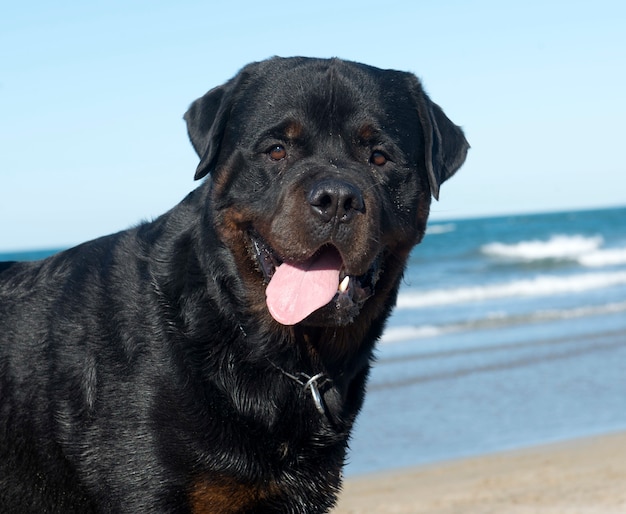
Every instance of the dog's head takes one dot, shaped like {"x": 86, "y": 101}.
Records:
{"x": 322, "y": 174}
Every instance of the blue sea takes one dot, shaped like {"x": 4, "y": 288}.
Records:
{"x": 509, "y": 332}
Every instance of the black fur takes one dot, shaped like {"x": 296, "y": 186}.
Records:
{"x": 142, "y": 372}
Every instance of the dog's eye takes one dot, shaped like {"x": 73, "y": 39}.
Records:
{"x": 277, "y": 152}
{"x": 378, "y": 158}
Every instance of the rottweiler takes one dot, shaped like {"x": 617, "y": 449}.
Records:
{"x": 214, "y": 360}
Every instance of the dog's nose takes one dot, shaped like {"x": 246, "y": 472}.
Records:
{"x": 335, "y": 199}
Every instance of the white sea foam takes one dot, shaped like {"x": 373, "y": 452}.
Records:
{"x": 579, "y": 312}
{"x": 405, "y": 333}
{"x": 441, "y": 228}
{"x": 601, "y": 258}
{"x": 543, "y": 285}
{"x": 499, "y": 320}
{"x": 558, "y": 247}
{"x": 586, "y": 251}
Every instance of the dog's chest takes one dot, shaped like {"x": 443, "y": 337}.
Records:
{"x": 219, "y": 495}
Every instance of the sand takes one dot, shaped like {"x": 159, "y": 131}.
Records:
{"x": 585, "y": 476}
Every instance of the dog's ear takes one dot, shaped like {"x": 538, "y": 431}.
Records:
{"x": 206, "y": 120}
{"x": 205, "y": 128}
{"x": 445, "y": 144}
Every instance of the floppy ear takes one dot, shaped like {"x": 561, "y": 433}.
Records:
{"x": 206, "y": 120}
{"x": 445, "y": 145}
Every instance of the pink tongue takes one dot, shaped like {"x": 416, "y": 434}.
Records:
{"x": 297, "y": 290}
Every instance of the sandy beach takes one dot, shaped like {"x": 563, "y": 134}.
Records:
{"x": 586, "y": 476}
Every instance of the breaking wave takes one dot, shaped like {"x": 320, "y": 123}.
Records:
{"x": 440, "y": 228}
{"x": 556, "y": 248}
{"x": 583, "y": 250}
{"x": 602, "y": 258}
{"x": 407, "y": 332}
{"x": 543, "y": 285}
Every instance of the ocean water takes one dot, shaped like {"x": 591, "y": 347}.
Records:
{"x": 509, "y": 332}
{"x": 513, "y": 271}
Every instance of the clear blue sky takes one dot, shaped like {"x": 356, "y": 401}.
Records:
{"x": 92, "y": 95}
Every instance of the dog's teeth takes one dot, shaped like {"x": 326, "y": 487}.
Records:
{"x": 343, "y": 286}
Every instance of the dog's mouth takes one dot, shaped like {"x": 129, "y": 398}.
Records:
{"x": 296, "y": 290}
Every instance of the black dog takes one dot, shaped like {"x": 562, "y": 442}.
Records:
{"x": 214, "y": 360}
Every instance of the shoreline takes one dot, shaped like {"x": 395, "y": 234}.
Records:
{"x": 582, "y": 476}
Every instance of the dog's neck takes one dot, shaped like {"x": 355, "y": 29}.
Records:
{"x": 312, "y": 384}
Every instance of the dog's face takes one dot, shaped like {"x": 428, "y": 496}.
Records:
{"x": 321, "y": 177}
